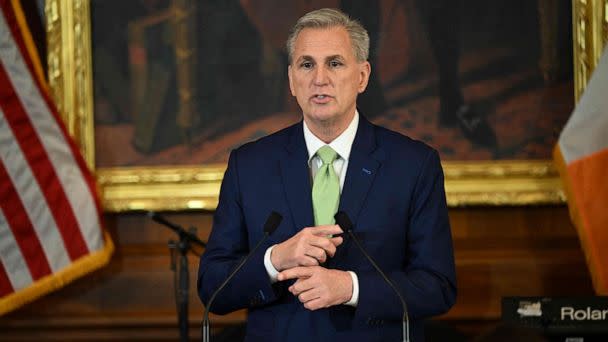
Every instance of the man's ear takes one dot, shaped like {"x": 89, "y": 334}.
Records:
{"x": 289, "y": 71}
{"x": 364, "y": 72}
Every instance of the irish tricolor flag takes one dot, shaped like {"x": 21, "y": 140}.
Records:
{"x": 582, "y": 158}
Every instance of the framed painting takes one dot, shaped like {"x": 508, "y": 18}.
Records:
{"x": 158, "y": 92}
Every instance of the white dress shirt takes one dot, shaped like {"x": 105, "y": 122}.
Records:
{"x": 342, "y": 145}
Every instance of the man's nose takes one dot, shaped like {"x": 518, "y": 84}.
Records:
{"x": 320, "y": 76}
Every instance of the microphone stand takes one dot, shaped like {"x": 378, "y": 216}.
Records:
{"x": 346, "y": 224}
{"x": 272, "y": 222}
{"x": 181, "y": 278}
{"x": 405, "y": 320}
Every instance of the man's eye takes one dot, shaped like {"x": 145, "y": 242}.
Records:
{"x": 335, "y": 64}
{"x": 306, "y": 65}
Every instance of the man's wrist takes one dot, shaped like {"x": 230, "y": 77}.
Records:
{"x": 354, "y": 299}
{"x": 270, "y": 269}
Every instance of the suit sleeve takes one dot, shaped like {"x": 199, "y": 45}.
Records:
{"x": 228, "y": 245}
{"x": 428, "y": 279}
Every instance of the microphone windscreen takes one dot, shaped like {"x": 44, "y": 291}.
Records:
{"x": 272, "y": 222}
{"x": 343, "y": 221}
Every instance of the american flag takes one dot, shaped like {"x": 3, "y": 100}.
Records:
{"x": 50, "y": 218}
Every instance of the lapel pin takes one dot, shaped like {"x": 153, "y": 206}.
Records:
{"x": 366, "y": 171}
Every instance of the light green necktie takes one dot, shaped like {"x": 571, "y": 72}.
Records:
{"x": 326, "y": 188}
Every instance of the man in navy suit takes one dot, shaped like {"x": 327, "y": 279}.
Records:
{"x": 310, "y": 283}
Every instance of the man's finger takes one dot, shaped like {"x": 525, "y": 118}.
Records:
{"x": 296, "y": 272}
{"x": 315, "y": 304}
{"x": 337, "y": 240}
{"x": 327, "y": 230}
{"x": 307, "y": 296}
{"x": 323, "y": 243}
{"x": 307, "y": 260}
{"x": 318, "y": 254}
{"x": 301, "y": 285}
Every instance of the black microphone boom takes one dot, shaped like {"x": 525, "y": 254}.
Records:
{"x": 272, "y": 222}
{"x": 156, "y": 217}
{"x": 346, "y": 224}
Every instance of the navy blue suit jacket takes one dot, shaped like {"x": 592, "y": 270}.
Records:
{"x": 393, "y": 193}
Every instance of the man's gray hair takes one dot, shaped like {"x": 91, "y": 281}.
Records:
{"x": 328, "y": 18}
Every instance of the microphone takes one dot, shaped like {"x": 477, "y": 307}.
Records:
{"x": 156, "y": 217}
{"x": 272, "y": 222}
{"x": 345, "y": 223}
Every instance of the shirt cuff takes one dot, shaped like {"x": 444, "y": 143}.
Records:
{"x": 272, "y": 272}
{"x": 354, "y": 300}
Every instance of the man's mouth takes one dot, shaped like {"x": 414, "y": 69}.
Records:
{"x": 321, "y": 98}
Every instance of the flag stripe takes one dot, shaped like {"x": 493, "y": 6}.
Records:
{"x": 586, "y": 129}
{"x": 5, "y": 285}
{"x": 16, "y": 12}
{"x": 590, "y": 188}
{"x": 43, "y": 170}
{"x": 22, "y": 229}
{"x": 28, "y": 191}
{"x": 72, "y": 174}
{"x": 16, "y": 269}
{"x": 12, "y": 28}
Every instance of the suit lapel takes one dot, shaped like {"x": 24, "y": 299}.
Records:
{"x": 296, "y": 179}
{"x": 364, "y": 161}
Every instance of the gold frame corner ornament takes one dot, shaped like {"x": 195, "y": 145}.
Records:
{"x": 197, "y": 187}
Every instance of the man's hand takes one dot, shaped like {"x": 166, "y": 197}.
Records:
{"x": 309, "y": 247}
{"x": 318, "y": 287}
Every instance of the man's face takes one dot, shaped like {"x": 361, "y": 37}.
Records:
{"x": 325, "y": 76}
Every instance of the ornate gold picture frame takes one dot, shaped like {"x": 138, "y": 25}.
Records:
{"x": 518, "y": 182}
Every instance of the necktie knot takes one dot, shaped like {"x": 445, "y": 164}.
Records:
{"x": 327, "y": 154}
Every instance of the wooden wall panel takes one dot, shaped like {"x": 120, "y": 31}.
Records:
{"x": 517, "y": 251}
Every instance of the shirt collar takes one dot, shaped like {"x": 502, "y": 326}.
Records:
{"x": 342, "y": 144}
